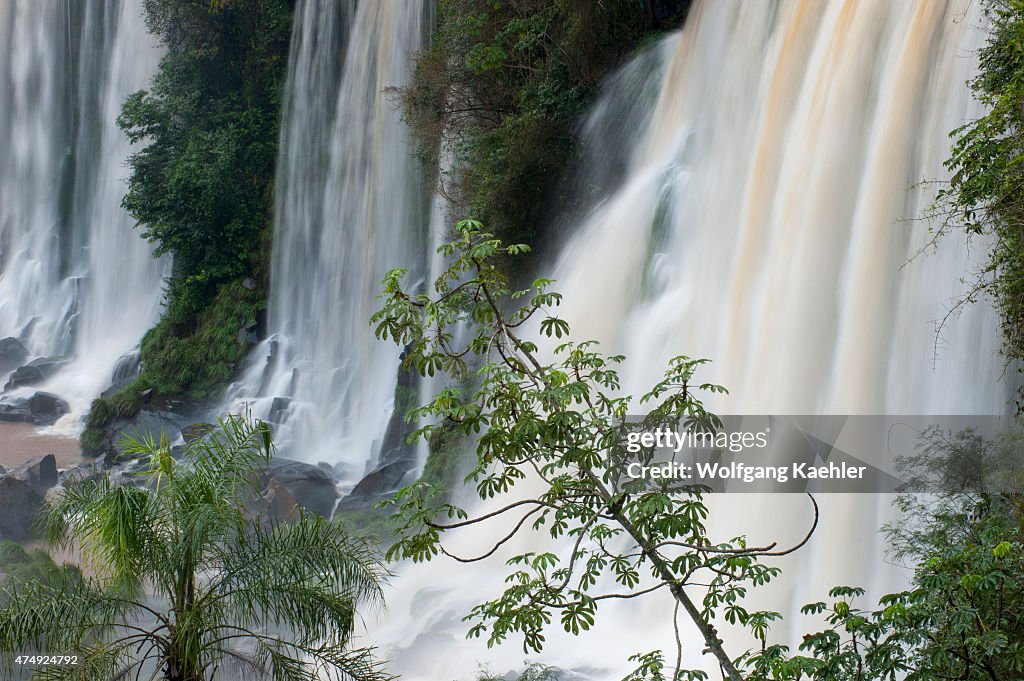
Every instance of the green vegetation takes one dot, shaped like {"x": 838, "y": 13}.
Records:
{"x": 193, "y": 366}
{"x": 21, "y": 565}
{"x": 984, "y": 196}
{"x": 201, "y": 187}
{"x": 963, "y": 616}
{"x": 196, "y": 362}
{"x": 563, "y": 424}
{"x": 372, "y": 525}
{"x": 448, "y": 451}
{"x": 503, "y": 85}
{"x": 188, "y": 581}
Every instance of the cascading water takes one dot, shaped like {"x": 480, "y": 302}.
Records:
{"x": 350, "y": 206}
{"x": 765, "y": 220}
{"x": 76, "y": 283}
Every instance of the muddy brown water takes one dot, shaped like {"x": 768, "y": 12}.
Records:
{"x": 20, "y": 442}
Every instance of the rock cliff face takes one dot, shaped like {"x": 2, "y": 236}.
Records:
{"x": 36, "y": 371}
{"x": 12, "y": 354}
{"x": 22, "y": 491}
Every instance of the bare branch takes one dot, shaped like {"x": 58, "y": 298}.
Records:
{"x": 474, "y": 521}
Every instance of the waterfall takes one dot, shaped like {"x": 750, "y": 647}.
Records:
{"x": 76, "y": 283}
{"x": 350, "y": 204}
{"x": 760, "y": 183}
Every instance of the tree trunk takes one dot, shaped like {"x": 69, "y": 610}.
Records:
{"x": 707, "y": 630}
{"x": 175, "y": 672}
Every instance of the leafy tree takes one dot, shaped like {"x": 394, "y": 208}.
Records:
{"x": 186, "y": 581}
{"x": 560, "y": 423}
{"x": 503, "y": 85}
{"x": 963, "y": 616}
{"x": 984, "y": 195}
{"x": 200, "y": 187}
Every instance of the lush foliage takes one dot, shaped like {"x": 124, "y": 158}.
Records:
{"x": 448, "y": 451}
{"x": 549, "y": 425}
{"x": 201, "y": 186}
{"x": 560, "y": 423}
{"x": 196, "y": 360}
{"x": 984, "y": 196}
{"x": 185, "y": 364}
{"x": 502, "y": 87}
{"x": 963, "y": 616}
{"x": 187, "y": 581}
{"x": 21, "y": 564}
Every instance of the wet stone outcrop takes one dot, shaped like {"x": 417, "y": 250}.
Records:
{"x": 22, "y": 491}
{"x": 294, "y": 482}
{"x": 40, "y": 408}
{"x": 13, "y": 354}
{"x": 36, "y": 371}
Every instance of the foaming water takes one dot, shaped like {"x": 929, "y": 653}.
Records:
{"x": 765, "y": 220}
{"x": 350, "y": 205}
{"x": 76, "y": 282}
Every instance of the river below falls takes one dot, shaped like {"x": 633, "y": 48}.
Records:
{"x": 20, "y": 442}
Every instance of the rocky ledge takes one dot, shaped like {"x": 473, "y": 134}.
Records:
{"x": 40, "y": 408}
{"x": 22, "y": 491}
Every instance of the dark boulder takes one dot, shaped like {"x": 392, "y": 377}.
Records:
{"x": 247, "y": 337}
{"x": 157, "y": 415}
{"x": 195, "y": 431}
{"x": 20, "y": 503}
{"x": 22, "y": 491}
{"x": 48, "y": 365}
{"x": 146, "y": 422}
{"x": 396, "y": 460}
{"x": 15, "y": 411}
{"x": 127, "y": 369}
{"x": 342, "y": 471}
{"x": 36, "y": 371}
{"x": 76, "y": 472}
{"x": 41, "y": 408}
{"x": 278, "y": 410}
{"x": 311, "y": 487}
{"x": 47, "y": 407}
{"x": 12, "y": 354}
{"x": 248, "y": 333}
{"x": 26, "y": 375}
{"x": 379, "y": 484}
{"x": 40, "y": 473}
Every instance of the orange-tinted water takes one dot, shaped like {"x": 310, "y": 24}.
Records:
{"x": 20, "y": 442}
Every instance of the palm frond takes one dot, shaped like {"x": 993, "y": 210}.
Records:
{"x": 61, "y": 614}
{"x": 307, "y": 550}
{"x": 223, "y": 578}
